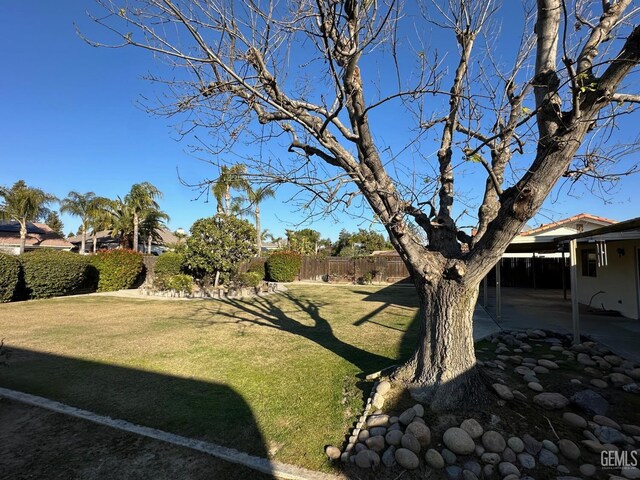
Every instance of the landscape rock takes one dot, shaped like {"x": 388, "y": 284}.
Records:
{"x": 389, "y": 457}
{"x": 421, "y": 433}
{"x": 378, "y": 431}
{"x": 419, "y": 410}
{"x": 550, "y": 364}
{"x": 507, "y": 468}
{"x": 503, "y": 391}
{"x": 367, "y": 459}
{"x": 453, "y": 472}
{"x": 593, "y": 446}
{"x": 540, "y": 369}
{"x": 449, "y": 457}
{"x": 488, "y": 471}
{"x": 410, "y": 442}
{"x": 469, "y": 475}
{"x": 383, "y": 387}
{"x": 574, "y": 420}
{"x": 635, "y": 373}
{"x": 407, "y": 459}
{"x": 516, "y": 444}
{"x": 458, "y": 441}
{"x": 545, "y": 457}
{"x": 394, "y": 437}
{"x": 606, "y": 422}
{"x": 472, "y": 427}
{"x": 587, "y": 469}
{"x": 490, "y": 458}
{"x": 378, "y": 421}
{"x": 473, "y": 467}
{"x": 551, "y": 401}
{"x": 531, "y": 445}
{"x": 585, "y": 359}
{"x": 493, "y": 441}
{"x": 377, "y": 401}
{"x": 619, "y": 379}
{"x": 631, "y": 429}
{"x": 609, "y": 435}
{"x": 569, "y": 449}
{"x": 535, "y": 386}
{"x": 549, "y": 445}
{"x": 508, "y": 455}
{"x": 375, "y": 443}
{"x": 596, "y": 382}
{"x": 363, "y": 435}
{"x": 590, "y": 402}
{"x": 332, "y": 452}
{"x": 407, "y": 416}
{"x": 594, "y": 372}
{"x": 434, "y": 459}
{"x": 631, "y": 473}
{"x": 527, "y": 461}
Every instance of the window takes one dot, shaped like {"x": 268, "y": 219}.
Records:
{"x": 589, "y": 262}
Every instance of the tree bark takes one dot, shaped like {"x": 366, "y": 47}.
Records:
{"x": 95, "y": 241}
{"x": 136, "y": 222}
{"x": 23, "y": 236}
{"x": 84, "y": 240}
{"x": 258, "y": 232}
{"x": 442, "y": 372}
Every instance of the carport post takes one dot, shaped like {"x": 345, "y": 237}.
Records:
{"x": 564, "y": 279}
{"x": 575, "y": 316}
{"x": 498, "y": 292}
{"x": 485, "y": 291}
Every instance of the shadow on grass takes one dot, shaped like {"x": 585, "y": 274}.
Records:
{"x": 197, "y": 409}
{"x": 268, "y": 312}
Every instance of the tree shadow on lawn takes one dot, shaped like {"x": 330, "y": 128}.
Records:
{"x": 266, "y": 312}
{"x": 197, "y": 409}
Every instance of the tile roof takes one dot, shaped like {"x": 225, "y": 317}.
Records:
{"x": 38, "y": 235}
{"x": 580, "y": 216}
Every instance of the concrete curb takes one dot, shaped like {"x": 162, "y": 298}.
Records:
{"x": 277, "y": 469}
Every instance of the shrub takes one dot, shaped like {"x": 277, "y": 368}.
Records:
{"x": 117, "y": 269}
{"x": 179, "y": 283}
{"x": 259, "y": 266}
{"x": 283, "y": 266}
{"x": 9, "y": 276}
{"x": 169, "y": 263}
{"x": 249, "y": 279}
{"x": 51, "y": 273}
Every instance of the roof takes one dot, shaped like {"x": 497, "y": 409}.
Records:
{"x": 559, "y": 223}
{"x": 104, "y": 236}
{"x": 629, "y": 229}
{"x": 38, "y": 235}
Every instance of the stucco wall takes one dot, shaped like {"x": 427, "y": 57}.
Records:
{"x": 617, "y": 280}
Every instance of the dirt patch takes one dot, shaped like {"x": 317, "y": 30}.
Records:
{"x": 39, "y": 444}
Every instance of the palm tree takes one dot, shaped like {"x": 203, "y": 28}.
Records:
{"x": 24, "y": 204}
{"x": 100, "y": 218}
{"x": 230, "y": 177}
{"x": 141, "y": 198}
{"x": 79, "y": 205}
{"x": 256, "y": 197}
{"x": 153, "y": 221}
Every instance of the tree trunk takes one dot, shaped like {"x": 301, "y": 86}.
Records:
{"x": 136, "y": 222}
{"x": 216, "y": 279}
{"x": 95, "y": 241}
{"x": 442, "y": 372}
{"x": 149, "y": 247}
{"x": 23, "y": 236}
{"x": 83, "y": 245}
{"x": 258, "y": 232}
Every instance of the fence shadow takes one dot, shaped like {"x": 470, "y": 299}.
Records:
{"x": 193, "y": 408}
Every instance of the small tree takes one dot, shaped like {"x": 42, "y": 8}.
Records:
{"x": 304, "y": 242}
{"x": 79, "y": 205}
{"x": 54, "y": 223}
{"x": 218, "y": 245}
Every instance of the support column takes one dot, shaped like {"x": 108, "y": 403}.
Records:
{"x": 575, "y": 314}
{"x": 485, "y": 292}
{"x": 564, "y": 277}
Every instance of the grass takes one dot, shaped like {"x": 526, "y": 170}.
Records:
{"x": 275, "y": 376}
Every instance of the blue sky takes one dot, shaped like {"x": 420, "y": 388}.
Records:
{"x": 70, "y": 121}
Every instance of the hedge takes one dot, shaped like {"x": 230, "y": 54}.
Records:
{"x": 168, "y": 263}
{"x": 117, "y": 269}
{"x": 52, "y": 273}
{"x": 9, "y": 276}
{"x": 283, "y": 266}
{"x": 248, "y": 279}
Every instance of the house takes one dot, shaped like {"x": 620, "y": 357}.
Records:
{"x": 607, "y": 268}
{"x": 39, "y": 235}
{"x": 105, "y": 241}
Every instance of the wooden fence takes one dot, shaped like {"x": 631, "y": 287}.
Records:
{"x": 350, "y": 270}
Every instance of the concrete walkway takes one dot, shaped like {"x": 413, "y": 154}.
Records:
{"x": 524, "y": 308}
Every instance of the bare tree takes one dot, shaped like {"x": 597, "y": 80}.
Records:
{"x": 304, "y": 76}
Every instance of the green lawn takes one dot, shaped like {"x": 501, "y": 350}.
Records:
{"x": 277, "y": 375}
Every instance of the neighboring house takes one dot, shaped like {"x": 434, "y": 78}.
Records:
{"x": 608, "y": 267}
{"x": 270, "y": 247}
{"x": 39, "y": 235}
{"x": 105, "y": 241}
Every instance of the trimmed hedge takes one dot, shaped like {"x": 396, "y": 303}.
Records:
{"x": 283, "y": 266}
{"x": 51, "y": 273}
{"x": 249, "y": 279}
{"x": 117, "y": 269}
{"x": 168, "y": 263}
{"x": 258, "y": 265}
{"x": 9, "y": 276}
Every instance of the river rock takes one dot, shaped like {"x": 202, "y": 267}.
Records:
{"x": 606, "y": 422}
{"x": 569, "y": 449}
{"x": 493, "y": 441}
{"x": 472, "y": 427}
{"x": 383, "y": 387}
{"x": 590, "y": 402}
{"x": 378, "y": 421}
{"x": 507, "y": 468}
{"x": 458, "y": 441}
{"x": 574, "y": 420}
{"x": 593, "y": 446}
{"x": 631, "y": 430}
{"x": 508, "y": 455}
{"x": 609, "y": 435}
{"x": 332, "y": 452}
{"x": 449, "y": 457}
{"x": 549, "y": 445}
{"x": 389, "y": 457}
{"x": 596, "y": 382}
{"x": 550, "y": 364}
{"x": 516, "y": 444}
{"x": 620, "y": 379}
{"x": 434, "y": 459}
{"x": 410, "y": 442}
{"x": 527, "y": 461}
{"x": 503, "y": 391}
{"x": 407, "y": 416}
{"x": 632, "y": 473}
{"x": 375, "y": 443}
{"x": 540, "y": 369}
{"x": 634, "y": 373}
{"x": 536, "y": 387}
{"x": 547, "y": 458}
{"x": 453, "y": 472}
{"x": 551, "y": 401}
{"x": 378, "y": 431}
{"x": 491, "y": 458}
{"x": 421, "y": 432}
{"x": 363, "y": 435}
{"x": 367, "y": 459}
{"x": 394, "y": 437}
{"x": 419, "y": 410}
{"x": 586, "y": 360}
{"x": 531, "y": 445}
{"x": 407, "y": 459}
{"x": 488, "y": 471}
{"x": 587, "y": 469}
{"x": 474, "y": 467}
